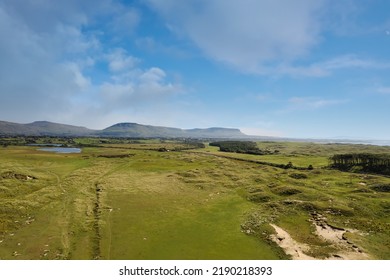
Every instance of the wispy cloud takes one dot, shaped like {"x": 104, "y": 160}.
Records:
{"x": 353, "y": 61}
{"x": 309, "y": 104}
{"x": 119, "y": 60}
{"x": 245, "y": 34}
{"x": 49, "y": 50}
{"x": 152, "y": 45}
{"x": 383, "y": 90}
{"x": 132, "y": 86}
{"x": 328, "y": 67}
{"x": 125, "y": 21}
{"x": 259, "y": 37}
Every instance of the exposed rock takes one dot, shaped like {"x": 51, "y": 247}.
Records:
{"x": 18, "y": 176}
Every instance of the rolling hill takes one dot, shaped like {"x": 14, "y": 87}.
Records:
{"x": 43, "y": 128}
{"x": 131, "y": 130}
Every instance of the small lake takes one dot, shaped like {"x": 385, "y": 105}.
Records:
{"x": 61, "y": 150}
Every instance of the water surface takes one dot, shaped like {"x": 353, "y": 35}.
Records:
{"x": 61, "y": 150}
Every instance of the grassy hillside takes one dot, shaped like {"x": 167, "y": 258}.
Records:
{"x": 43, "y": 128}
{"x": 121, "y": 130}
{"x": 137, "y": 130}
{"x": 147, "y": 131}
{"x": 132, "y": 201}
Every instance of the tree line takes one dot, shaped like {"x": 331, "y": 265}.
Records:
{"x": 365, "y": 162}
{"x": 243, "y": 147}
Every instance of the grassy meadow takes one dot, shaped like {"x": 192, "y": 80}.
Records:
{"x": 135, "y": 200}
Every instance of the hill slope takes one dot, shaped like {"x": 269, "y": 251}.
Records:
{"x": 138, "y": 130}
{"x": 44, "y": 128}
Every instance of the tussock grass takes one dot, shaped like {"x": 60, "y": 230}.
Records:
{"x": 182, "y": 204}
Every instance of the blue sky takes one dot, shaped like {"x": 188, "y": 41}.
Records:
{"x": 302, "y": 68}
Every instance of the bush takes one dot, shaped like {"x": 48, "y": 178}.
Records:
{"x": 381, "y": 187}
{"x": 259, "y": 197}
{"x": 298, "y": 176}
{"x": 286, "y": 191}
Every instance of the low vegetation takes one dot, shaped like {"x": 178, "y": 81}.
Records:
{"x": 166, "y": 199}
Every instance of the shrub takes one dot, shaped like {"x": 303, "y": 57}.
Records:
{"x": 381, "y": 187}
{"x": 298, "y": 176}
{"x": 259, "y": 197}
{"x": 286, "y": 191}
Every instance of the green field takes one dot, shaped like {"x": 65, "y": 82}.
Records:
{"x": 131, "y": 201}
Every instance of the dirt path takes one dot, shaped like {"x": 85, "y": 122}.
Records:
{"x": 100, "y": 206}
{"x": 109, "y": 234}
{"x": 289, "y": 245}
{"x": 64, "y": 223}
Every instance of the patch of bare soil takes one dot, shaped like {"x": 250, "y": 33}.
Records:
{"x": 289, "y": 245}
{"x": 336, "y": 236}
{"x": 347, "y": 250}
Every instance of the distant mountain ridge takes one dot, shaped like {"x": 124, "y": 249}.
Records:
{"x": 131, "y": 130}
{"x": 43, "y": 128}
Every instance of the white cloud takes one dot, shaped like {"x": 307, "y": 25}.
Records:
{"x": 79, "y": 79}
{"x": 119, "y": 60}
{"x": 136, "y": 88}
{"x": 126, "y": 21}
{"x": 246, "y": 34}
{"x": 33, "y": 80}
{"x": 152, "y": 76}
{"x": 264, "y": 37}
{"x": 70, "y": 39}
{"x": 116, "y": 93}
{"x": 352, "y": 61}
{"x": 50, "y": 53}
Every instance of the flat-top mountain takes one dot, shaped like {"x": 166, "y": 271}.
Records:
{"x": 44, "y": 128}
